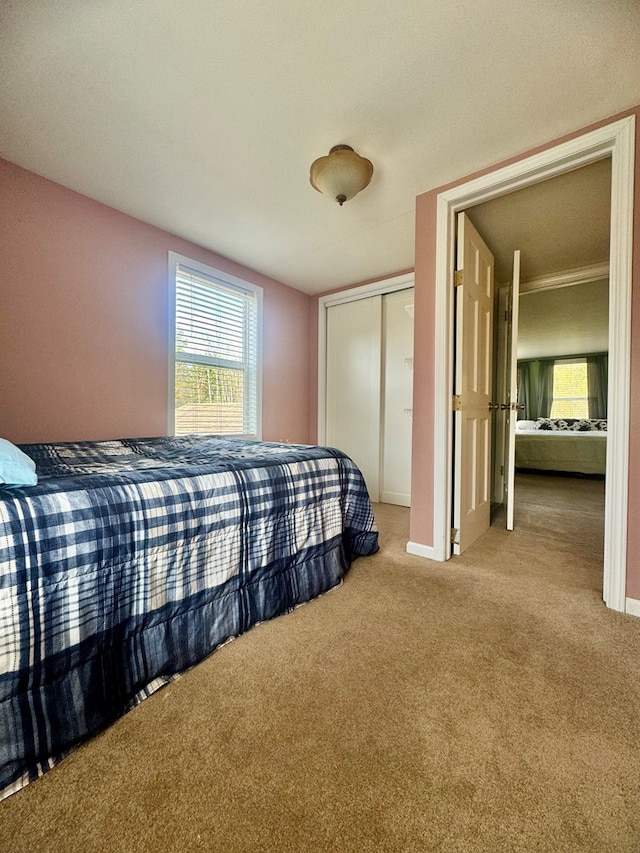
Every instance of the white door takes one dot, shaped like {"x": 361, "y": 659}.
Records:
{"x": 353, "y": 385}
{"x": 472, "y": 387}
{"x": 397, "y": 397}
{"x": 510, "y": 457}
{"x": 500, "y": 393}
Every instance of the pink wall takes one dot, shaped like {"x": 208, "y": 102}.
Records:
{"x": 83, "y": 321}
{"x": 422, "y": 509}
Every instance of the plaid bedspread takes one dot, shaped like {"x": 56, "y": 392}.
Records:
{"x": 132, "y": 560}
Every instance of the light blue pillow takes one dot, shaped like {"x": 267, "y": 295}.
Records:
{"x": 16, "y": 468}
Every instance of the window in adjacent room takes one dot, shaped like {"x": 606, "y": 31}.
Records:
{"x": 215, "y": 364}
{"x": 570, "y": 389}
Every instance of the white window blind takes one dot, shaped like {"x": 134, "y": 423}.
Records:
{"x": 216, "y": 354}
{"x": 570, "y": 389}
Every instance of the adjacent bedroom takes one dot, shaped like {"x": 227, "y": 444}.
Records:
{"x": 555, "y": 340}
{"x": 561, "y": 430}
{"x": 563, "y": 379}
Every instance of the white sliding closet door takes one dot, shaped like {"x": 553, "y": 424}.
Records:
{"x": 397, "y": 397}
{"x": 353, "y": 384}
{"x": 369, "y": 389}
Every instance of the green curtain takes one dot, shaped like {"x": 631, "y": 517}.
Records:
{"x": 597, "y": 377}
{"x": 524, "y": 392}
{"x": 545, "y": 388}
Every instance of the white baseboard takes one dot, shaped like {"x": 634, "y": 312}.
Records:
{"x": 397, "y": 498}
{"x": 632, "y": 606}
{"x": 427, "y": 551}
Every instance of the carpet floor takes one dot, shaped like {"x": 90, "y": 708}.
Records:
{"x": 487, "y": 704}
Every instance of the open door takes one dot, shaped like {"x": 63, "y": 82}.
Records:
{"x": 510, "y": 454}
{"x": 472, "y": 387}
{"x": 500, "y": 392}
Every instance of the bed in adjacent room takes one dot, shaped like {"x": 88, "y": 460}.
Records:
{"x": 569, "y": 445}
{"x": 130, "y": 561}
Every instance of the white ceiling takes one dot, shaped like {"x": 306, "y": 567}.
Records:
{"x": 203, "y": 117}
{"x": 560, "y": 224}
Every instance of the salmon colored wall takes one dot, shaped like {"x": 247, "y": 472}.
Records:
{"x": 83, "y": 321}
{"x": 422, "y": 509}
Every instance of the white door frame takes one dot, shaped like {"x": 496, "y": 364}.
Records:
{"x": 387, "y": 285}
{"x": 617, "y": 141}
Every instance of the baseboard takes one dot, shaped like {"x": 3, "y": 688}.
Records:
{"x": 397, "y": 498}
{"x": 427, "y": 551}
{"x": 632, "y": 606}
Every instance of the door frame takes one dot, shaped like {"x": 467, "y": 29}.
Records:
{"x": 615, "y": 140}
{"x": 363, "y": 291}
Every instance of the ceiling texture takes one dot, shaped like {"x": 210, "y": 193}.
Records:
{"x": 203, "y": 117}
{"x": 559, "y": 225}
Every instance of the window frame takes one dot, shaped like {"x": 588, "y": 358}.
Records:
{"x": 228, "y": 281}
{"x": 566, "y": 362}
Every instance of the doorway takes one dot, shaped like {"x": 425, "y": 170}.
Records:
{"x": 558, "y": 319}
{"x": 617, "y": 141}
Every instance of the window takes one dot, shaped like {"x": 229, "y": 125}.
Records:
{"x": 570, "y": 389}
{"x": 214, "y": 352}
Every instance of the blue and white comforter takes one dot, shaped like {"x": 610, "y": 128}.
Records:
{"x": 132, "y": 560}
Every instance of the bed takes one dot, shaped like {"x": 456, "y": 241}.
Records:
{"x": 132, "y": 560}
{"x": 568, "y": 445}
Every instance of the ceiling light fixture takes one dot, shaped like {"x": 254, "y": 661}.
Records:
{"x": 342, "y": 174}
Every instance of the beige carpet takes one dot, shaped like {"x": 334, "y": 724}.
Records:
{"x": 488, "y": 704}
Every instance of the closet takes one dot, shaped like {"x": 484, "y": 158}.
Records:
{"x": 368, "y": 388}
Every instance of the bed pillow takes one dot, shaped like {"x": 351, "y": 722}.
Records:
{"x": 572, "y": 424}
{"x": 588, "y": 425}
{"x": 554, "y": 423}
{"x": 16, "y": 468}
{"x": 526, "y": 425}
